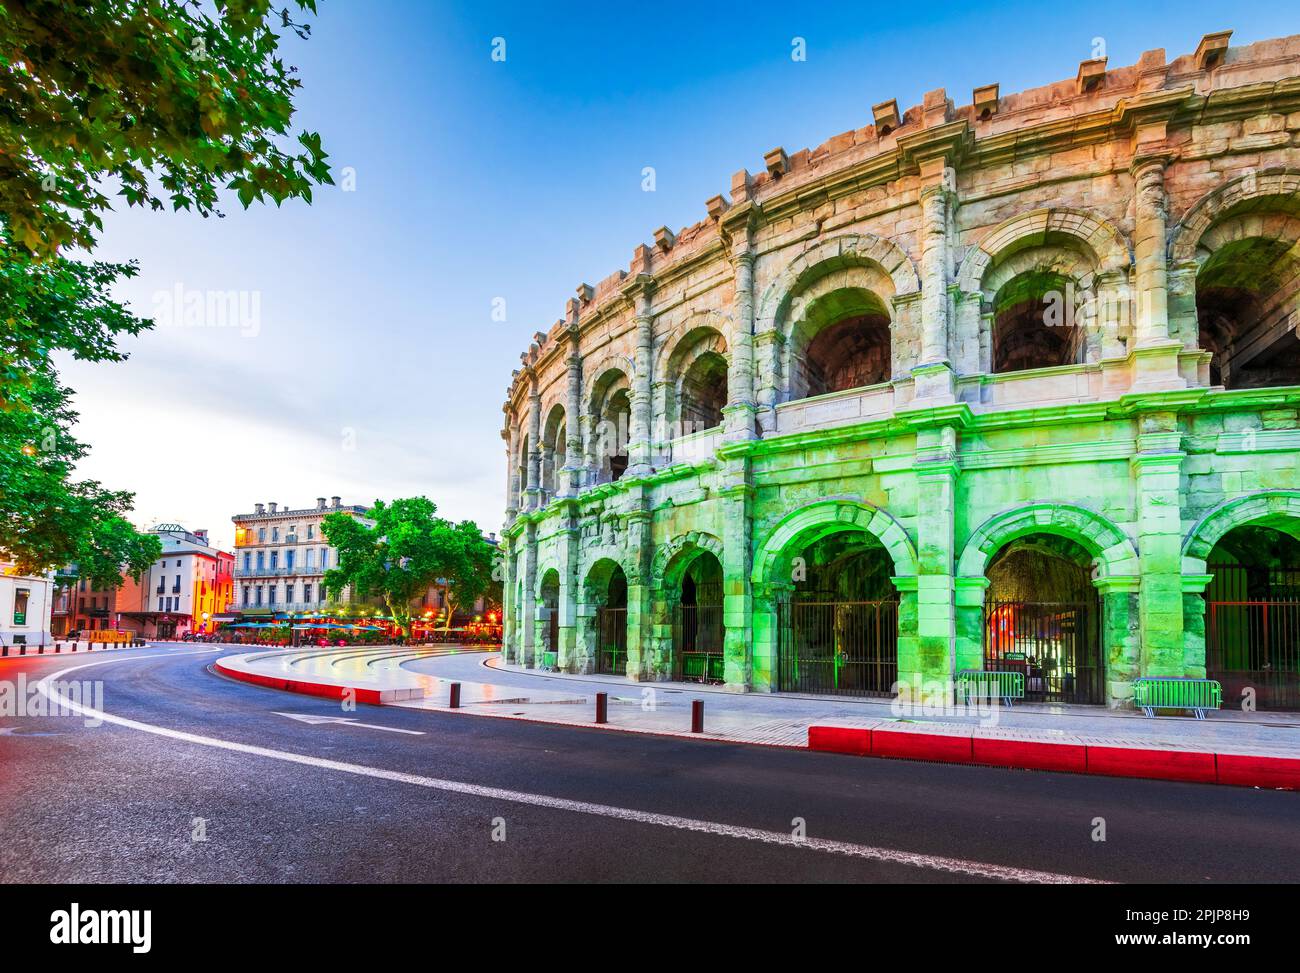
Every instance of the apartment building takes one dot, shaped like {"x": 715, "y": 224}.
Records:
{"x": 25, "y": 605}
{"x": 182, "y": 591}
{"x": 281, "y": 557}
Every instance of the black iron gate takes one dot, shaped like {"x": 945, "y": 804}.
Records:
{"x": 1056, "y": 645}
{"x": 1253, "y": 643}
{"x": 697, "y": 643}
{"x": 611, "y": 641}
{"x": 847, "y": 648}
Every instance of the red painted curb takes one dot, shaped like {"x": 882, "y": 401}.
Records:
{"x": 304, "y": 688}
{"x": 921, "y": 746}
{"x": 1185, "y": 765}
{"x": 1031, "y": 755}
{"x": 1192, "y": 766}
{"x": 1246, "y": 771}
{"x": 840, "y": 739}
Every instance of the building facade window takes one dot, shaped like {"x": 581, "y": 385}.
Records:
{"x": 306, "y": 594}
{"x": 21, "y": 597}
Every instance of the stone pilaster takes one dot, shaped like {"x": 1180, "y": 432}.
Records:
{"x": 1156, "y": 472}
{"x": 933, "y": 373}
{"x": 968, "y": 597}
{"x": 936, "y": 631}
{"x": 1121, "y": 639}
{"x": 571, "y": 475}
{"x": 512, "y": 473}
{"x": 509, "y": 623}
{"x": 1194, "y": 586}
{"x": 770, "y": 599}
{"x": 741, "y": 407}
{"x": 737, "y": 494}
{"x": 533, "y": 490}
{"x": 1155, "y": 354}
{"x": 568, "y": 544}
{"x": 528, "y": 617}
{"x": 639, "y": 446}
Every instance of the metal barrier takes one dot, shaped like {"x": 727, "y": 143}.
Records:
{"x": 988, "y": 684}
{"x": 1151, "y": 693}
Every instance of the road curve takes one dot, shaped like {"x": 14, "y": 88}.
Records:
{"x": 201, "y": 779}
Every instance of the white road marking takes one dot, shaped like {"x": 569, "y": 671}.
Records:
{"x": 939, "y": 863}
{"x": 312, "y": 720}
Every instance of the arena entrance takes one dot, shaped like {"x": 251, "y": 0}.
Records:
{"x": 1042, "y": 618}
{"x": 697, "y": 622}
{"x": 1252, "y": 624}
{"x": 611, "y": 627}
{"x": 838, "y": 633}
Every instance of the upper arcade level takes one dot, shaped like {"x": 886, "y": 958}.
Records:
{"x": 1131, "y": 230}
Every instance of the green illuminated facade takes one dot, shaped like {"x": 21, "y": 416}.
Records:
{"x": 1010, "y": 384}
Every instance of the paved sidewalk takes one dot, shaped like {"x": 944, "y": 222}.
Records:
{"x": 491, "y": 688}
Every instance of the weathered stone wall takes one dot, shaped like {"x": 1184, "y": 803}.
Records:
{"x": 1121, "y": 183}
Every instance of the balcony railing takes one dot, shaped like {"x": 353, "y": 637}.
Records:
{"x": 309, "y": 570}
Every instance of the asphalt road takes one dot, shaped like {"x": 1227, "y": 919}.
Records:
{"x": 464, "y": 798}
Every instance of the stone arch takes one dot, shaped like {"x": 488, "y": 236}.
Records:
{"x": 1277, "y": 182}
{"x": 1115, "y": 552}
{"x": 553, "y": 447}
{"x": 599, "y": 372}
{"x": 1103, "y": 241}
{"x": 667, "y": 564}
{"x": 852, "y": 249}
{"x": 1276, "y": 508}
{"x": 669, "y": 345}
{"x": 821, "y": 517}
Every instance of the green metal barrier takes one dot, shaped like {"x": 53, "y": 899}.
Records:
{"x": 548, "y": 660}
{"x": 987, "y": 684}
{"x": 702, "y": 666}
{"x": 1151, "y": 693}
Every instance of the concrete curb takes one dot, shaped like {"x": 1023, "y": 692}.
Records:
{"x": 1192, "y": 766}
{"x": 360, "y": 694}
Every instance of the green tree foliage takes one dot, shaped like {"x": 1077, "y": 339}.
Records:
{"x": 47, "y": 519}
{"x": 161, "y": 101}
{"x": 159, "y": 98}
{"x": 408, "y": 549}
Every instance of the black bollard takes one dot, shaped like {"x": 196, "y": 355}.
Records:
{"x": 697, "y": 716}
{"x": 602, "y": 707}
{"x": 454, "y": 700}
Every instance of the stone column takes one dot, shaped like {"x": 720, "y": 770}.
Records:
{"x": 741, "y": 407}
{"x": 911, "y": 671}
{"x": 567, "y": 547}
{"x": 533, "y": 492}
{"x": 1156, "y": 472}
{"x": 571, "y": 476}
{"x": 638, "y": 449}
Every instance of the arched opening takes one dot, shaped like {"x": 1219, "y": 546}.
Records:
{"x": 703, "y": 393}
{"x": 1043, "y": 619}
{"x": 1247, "y": 291}
{"x": 611, "y": 418}
{"x": 842, "y": 342}
{"x": 607, "y": 588}
{"x": 553, "y": 451}
{"x": 839, "y": 629}
{"x": 1034, "y": 324}
{"x": 1252, "y": 624}
{"x": 549, "y": 648}
{"x": 697, "y": 621}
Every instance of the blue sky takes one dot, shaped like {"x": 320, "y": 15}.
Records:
{"x": 374, "y": 367}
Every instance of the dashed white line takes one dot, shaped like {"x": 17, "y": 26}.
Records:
{"x": 938, "y": 863}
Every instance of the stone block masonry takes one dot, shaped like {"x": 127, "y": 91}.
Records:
{"x": 1076, "y": 311}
